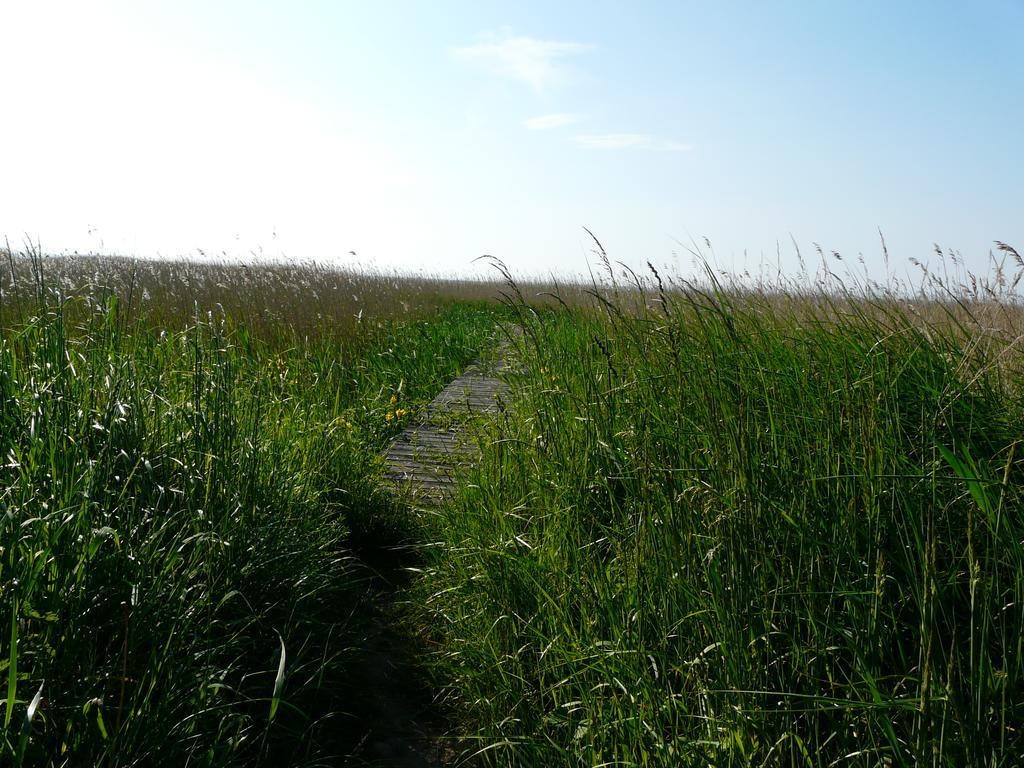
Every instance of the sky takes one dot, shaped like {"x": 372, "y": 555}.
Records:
{"x": 420, "y": 136}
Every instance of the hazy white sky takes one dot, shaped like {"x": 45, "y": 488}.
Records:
{"x": 423, "y": 135}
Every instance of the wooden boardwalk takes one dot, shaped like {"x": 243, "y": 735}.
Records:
{"x": 426, "y": 459}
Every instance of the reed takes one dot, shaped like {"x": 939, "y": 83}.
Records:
{"x": 724, "y": 521}
{"x": 185, "y": 483}
{"x": 731, "y": 522}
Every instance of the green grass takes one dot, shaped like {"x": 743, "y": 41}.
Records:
{"x": 719, "y": 523}
{"x": 183, "y": 506}
{"x": 735, "y": 527}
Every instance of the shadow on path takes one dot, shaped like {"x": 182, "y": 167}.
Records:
{"x": 401, "y": 725}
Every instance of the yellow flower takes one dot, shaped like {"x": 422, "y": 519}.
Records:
{"x": 400, "y": 412}
{"x": 394, "y": 399}
{"x": 389, "y": 416}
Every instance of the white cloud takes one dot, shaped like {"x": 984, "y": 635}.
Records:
{"x": 614, "y": 140}
{"x": 533, "y": 61}
{"x": 557, "y": 120}
{"x": 630, "y": 141}
{"x": 673, "y": 146}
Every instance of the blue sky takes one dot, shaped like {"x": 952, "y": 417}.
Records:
{"x": 422, "y": 135}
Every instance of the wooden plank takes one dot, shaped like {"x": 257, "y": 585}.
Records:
{"x": 427, "y": 459}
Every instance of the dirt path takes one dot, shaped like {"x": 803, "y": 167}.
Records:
{"x": 402, "y": 727}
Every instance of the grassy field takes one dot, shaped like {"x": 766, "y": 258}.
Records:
{"x": 721, "y": 523}
{"x": 185, "y": 494}
{"x": 726, "y": 526}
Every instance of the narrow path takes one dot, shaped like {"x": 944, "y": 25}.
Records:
{"x": 426, "y": 459}
{"x": 401, "y": 727}
{"x": 423, "y": 467}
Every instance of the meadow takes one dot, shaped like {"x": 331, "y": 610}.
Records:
{"x": 721, "y": 521}
{"x": 732, "y": 524}
{"x": 189, "y": 462}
